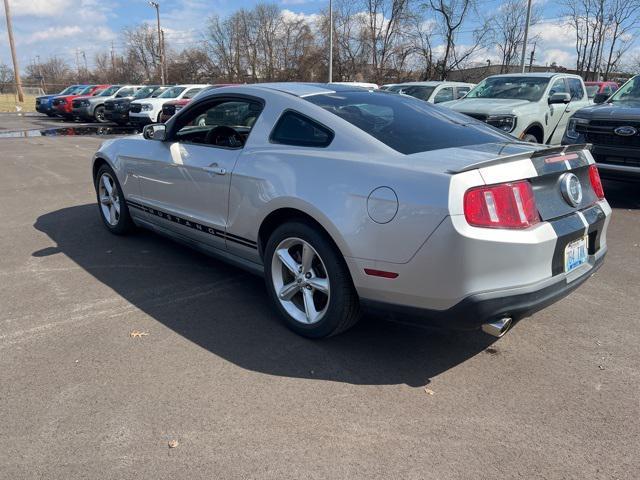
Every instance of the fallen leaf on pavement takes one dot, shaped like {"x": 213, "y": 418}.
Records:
{"x": 428, "y": 391}
{"x": 138, "y": 334}
{"x": 173, "y": 443}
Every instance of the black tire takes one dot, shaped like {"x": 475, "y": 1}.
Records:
{"x": 530, "y": 138}
{"x": 343, "y": 306}
{"x": 51, "y": 114}
{"x": 98, "y": 114}
{"x": 159, "y": 119}
{"x": 123, "y": 224}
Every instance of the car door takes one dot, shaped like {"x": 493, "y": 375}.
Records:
{"x": 445, "y": 94}
{"x": 556, "y": 118}
{"x": 187, "y": 180}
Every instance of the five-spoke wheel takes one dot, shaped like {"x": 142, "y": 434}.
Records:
{"x": 300, "y": 278}
{"x": 308, "y": 281}
{"x": 113, "y": 208}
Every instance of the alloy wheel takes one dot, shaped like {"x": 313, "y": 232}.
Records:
{"x": 300, "y": 280}
{"x": 109, "y": 199}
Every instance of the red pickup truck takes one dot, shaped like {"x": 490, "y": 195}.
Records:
{"x": 63, "y": 105}
{"x": 169, "y": 109}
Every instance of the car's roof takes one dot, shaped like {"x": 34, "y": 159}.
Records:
{"x": 534, "y": 74}
{"x": 431, "y": 83}
{"x": 301, "y": 89}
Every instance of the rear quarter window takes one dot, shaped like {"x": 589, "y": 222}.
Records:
{"x": 296, "y": 129}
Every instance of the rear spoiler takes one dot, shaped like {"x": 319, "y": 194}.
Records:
{"x": 545, "y": 152}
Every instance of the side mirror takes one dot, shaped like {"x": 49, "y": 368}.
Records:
{"x": 155, "y": 131}
{"x": 600, "y": 98}
{"x": 559, "y": 98}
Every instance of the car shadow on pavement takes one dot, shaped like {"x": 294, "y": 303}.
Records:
{"x": 621, "y": 194}
{"x": 225, "y": 310}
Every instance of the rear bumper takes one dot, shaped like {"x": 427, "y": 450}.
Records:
{"x": 475, "y": 310}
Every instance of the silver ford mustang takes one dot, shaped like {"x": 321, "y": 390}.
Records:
{"x": 348, "y": 199}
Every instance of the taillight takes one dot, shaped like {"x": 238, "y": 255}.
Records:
{"x": 507, "y": 205}
{"x": 596, "y": 183}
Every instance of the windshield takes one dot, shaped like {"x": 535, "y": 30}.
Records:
{"x": 86, "y": 91}
{"x": 110, "y": 91}
{"x": 629, "y": 93}
{"x": 173, "y": 92}
{"x": 405, "y": 124}
{"x": 71, "y": 90}
{"x": 516, "y": 88}
{"x": 145, "y": 92}
{"x": 592, "y": 90}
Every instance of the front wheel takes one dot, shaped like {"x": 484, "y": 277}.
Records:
{"x": 530, "y": 138}
{"x": 111, "y": 202}
{"x": 308, "y": 281}
{"x": 99, "y": 115}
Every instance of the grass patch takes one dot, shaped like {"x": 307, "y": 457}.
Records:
{"x": 8, "y": 102}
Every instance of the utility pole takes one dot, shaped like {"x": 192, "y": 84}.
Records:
{"x": 164, "y": 59}
{"x": 113, "y": 60}
{"x": 43, "y": 83}
{"x": 533, "y": 53}
{"x": 526, "y": 36}
{"x": 156, "y": 5}
{"x": 84, "y": 57}
{"x": 330, "y": 41}
{"x": 78, "y": 65}
{"x": 14, "y": 57}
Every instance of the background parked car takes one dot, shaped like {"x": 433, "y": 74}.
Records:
{"x": 92, "y": 109}
{"x": 433, "y": 92}
{"x": 595, "y": 88}
{"x": 613, "y": 128}
{"x": 534, "y": 107}
{"x": 64, "y": 104}
{"x": 44, "y": 103}
{"x": 169, "y": 109}
{"x": 149, "y": 110}
{"x": 117, "y": 109}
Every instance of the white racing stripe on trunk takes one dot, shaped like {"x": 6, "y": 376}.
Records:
{"x": 584, "y": 221}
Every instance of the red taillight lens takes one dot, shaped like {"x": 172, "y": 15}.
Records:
{"x": 508, "y": 205}
{"x": 596, "y": 183}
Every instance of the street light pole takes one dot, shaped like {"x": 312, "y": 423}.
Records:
{"x": 14, "y": 57}
{"x": 156, "y": 5}
{"x": 526, "y": 36}
{"x": 330, "y": 41}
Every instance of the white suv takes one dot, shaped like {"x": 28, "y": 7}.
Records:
{"x": 534, "y": 107}
{"x": 149, "y": 110}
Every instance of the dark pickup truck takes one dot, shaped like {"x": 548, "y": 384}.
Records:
{"x": 117, "y": 109}
{"x": 612, "y": 126}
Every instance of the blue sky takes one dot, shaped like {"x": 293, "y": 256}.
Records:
{"x": 58, "y": 27}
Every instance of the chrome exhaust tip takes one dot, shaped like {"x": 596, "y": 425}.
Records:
{"x": 497, "y": 328}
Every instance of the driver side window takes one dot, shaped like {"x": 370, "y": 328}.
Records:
{"x": 221, "y": 123}
{"x": 558, "y": 86}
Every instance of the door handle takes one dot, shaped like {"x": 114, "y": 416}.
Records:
{"x": 216, "y": 170}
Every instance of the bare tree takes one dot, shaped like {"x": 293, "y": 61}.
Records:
{"x": 507, "y": 31}
{"x": 143, "y": 50}
{"x": 451, "y": 16}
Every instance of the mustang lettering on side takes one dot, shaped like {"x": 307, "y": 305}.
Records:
{"x": 348, "y": 199}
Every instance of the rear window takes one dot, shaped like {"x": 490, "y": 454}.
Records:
{"x": 406, "y": 124}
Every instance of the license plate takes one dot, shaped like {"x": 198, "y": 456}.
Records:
{"x": 575, "y": 254}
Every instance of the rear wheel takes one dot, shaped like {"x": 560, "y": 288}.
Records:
{"x": 308, "y": 281}
{"x": 111, "y": 202}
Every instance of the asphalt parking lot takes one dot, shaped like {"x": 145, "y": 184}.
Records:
{"x": 242, "y": 397}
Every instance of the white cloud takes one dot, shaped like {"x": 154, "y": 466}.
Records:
{"x": 53, "y": 33}
{"x": 39, "y": 8}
